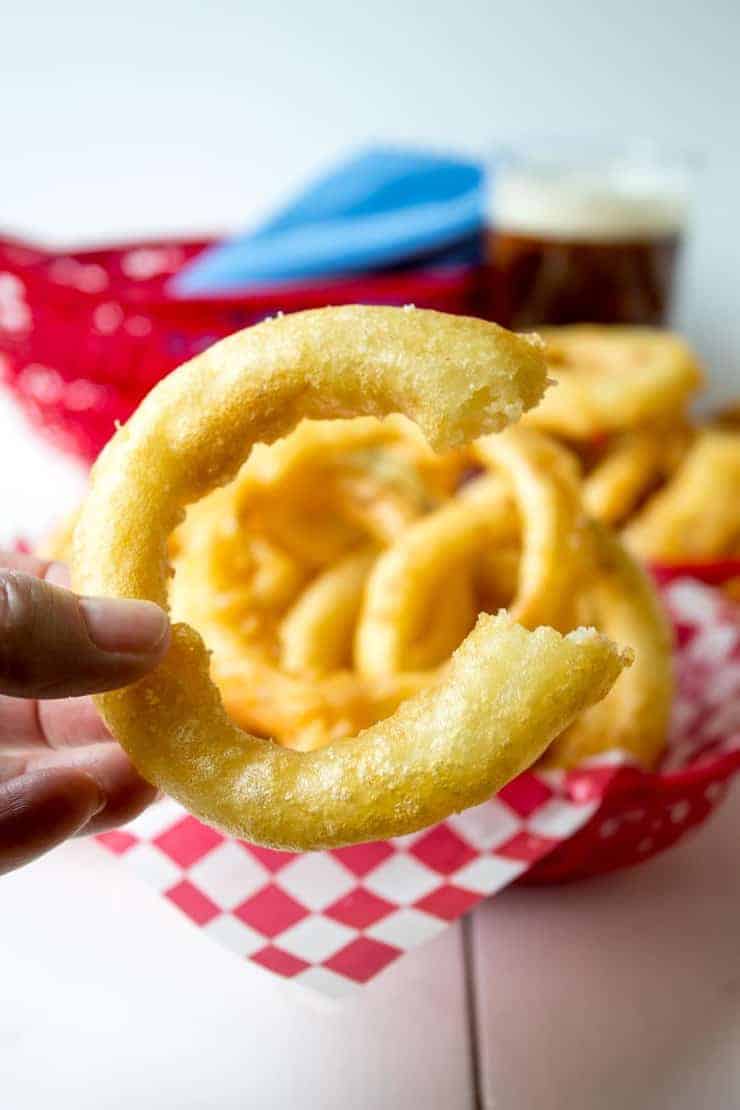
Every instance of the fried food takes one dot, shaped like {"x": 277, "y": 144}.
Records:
{"x": 497, "y": 576}
{"x": 697, "y": 515}
{"x": 546, "y": 484}
{"x": 420, "y": 599}
{"x": 728, "y": 416}
{"x": 621, "y": 601}
{"x": 235, "y": 584}
{"x": 620, "y": 404}
{"x": 618, "y": 482}
{"x": 613, "y": 378}
{"x": 317, "y": 634}
{"x": 364, "y": 479}
{"x": 630, "y": 469}
{"x": 274, "y": 656}
{"x": 507, "y": 691}
{"x": 305, "y": 713}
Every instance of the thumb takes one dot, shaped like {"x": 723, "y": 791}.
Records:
{"x": 54, "y": 644}
{"x": 40, "y": 809}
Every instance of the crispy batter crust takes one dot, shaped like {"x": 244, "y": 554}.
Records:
{"x": 508, "y": 692}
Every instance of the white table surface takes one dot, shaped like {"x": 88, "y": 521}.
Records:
{"x": 619, "y": 992}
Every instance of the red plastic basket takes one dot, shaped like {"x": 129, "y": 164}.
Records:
{"x": 85, "y": 335}
{"x": 641, "y": 813}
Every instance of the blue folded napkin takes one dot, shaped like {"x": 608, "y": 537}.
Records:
{"x": 383, "y": 208}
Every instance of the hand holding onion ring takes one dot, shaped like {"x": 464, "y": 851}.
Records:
{"x": 508, "y": 692}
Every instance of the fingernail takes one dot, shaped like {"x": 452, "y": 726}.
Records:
{"x": 118, "y": 624}
{"x": 100, "y": 801}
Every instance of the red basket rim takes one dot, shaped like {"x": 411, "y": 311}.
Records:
{"x": 630, "y": 776}
{"x": 713, "y": 572}
{"x": 421, "y": 282}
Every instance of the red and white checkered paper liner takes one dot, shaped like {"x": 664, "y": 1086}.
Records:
{"x": 334, "y": 920}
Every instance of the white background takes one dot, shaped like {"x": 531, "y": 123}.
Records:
{"x": 152, "y": 117}
{"x": 183, "y": 114}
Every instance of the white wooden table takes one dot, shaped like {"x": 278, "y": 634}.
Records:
{"x": 619, "y": 992}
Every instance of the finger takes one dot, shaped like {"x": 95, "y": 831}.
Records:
{"x": 69, "y": 722}
{"x": 123, "y": 791}
{"x": 55, "y": 573}
{"x": 40, "y": 809}
{"x": 55, "y": 644}
{"x": 61, "y": 723}
{"x": 28, "y": 564}
{"x": 127, "y": 793}
{"x": 18, "y": 722}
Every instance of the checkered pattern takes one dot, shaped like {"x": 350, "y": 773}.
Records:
{"x": 334, "y": 920}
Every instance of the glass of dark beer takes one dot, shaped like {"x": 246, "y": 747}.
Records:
{"x": 584, "y": 233}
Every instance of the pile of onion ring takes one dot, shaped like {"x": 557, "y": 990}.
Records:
{"x": 346, "y": 643}
{"x": 278, "y": 561}
{"x": 669, "y": 483}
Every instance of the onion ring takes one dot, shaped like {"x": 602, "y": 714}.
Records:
{"x": 617, "y": 482}
{"x": 508, "y": 692}
{"x": 430, "y": 569}
{"x": 697, "y": 515}
{"x": 230, "y": 584}
{"x": 419, "y": 600}
{"x": 546, "y": 483}
{"x": 316, "y": 635}
{"x": 238, "y": 587}
{"x": 307, "y": 715}
{"x": 622, "y": 602}
{"x": 497, "y": 577}
{"x": 363, "y": 479}
{"x": 634, "y": 465}
{"x": 613, "y": 378}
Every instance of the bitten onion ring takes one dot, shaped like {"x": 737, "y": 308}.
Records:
{"x": 508, "y": 692}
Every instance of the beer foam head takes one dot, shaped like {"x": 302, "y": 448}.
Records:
{"x": 613, "y": 205}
